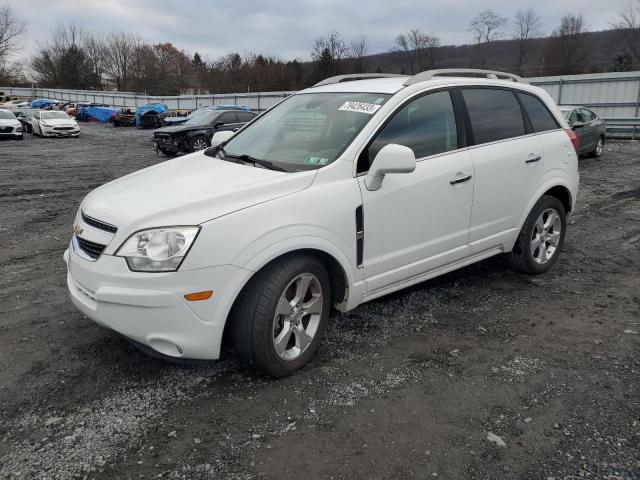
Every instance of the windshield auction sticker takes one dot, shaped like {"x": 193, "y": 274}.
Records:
{"x": 360, "y": 107}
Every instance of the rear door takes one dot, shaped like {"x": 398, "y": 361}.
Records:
{"x": 591, "y": 133}
{"x": 508, "y": 161}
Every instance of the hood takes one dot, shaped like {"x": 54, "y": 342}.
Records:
{"x": 179, "y": 128}
{"x": 175, "y": 120}
{"x": 188, "y": 191}
{"x": 9, "y": 122}
{"x": 60, "y": 122}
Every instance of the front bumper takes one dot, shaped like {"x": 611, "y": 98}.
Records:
{"x": 150, "y": 308}
{"x": 50, "y": 132}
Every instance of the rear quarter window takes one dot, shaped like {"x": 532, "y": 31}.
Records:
{"x": 495, "y": 114}
{"x": 540, "y": 117}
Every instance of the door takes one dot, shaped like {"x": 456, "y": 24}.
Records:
{"x": 418, "y": 221}
{"x": 508, "y": 162}
{"x": 590, "y": 131}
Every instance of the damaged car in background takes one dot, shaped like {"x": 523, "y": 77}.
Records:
{"x": 195, "y": 134}
{"x": 54, "y": 123}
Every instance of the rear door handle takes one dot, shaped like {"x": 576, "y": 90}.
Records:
{"x": 537, "y": 158}
{"x": 464, "y": 178}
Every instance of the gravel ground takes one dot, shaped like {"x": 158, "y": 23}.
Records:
{"x": 482, "y": 373}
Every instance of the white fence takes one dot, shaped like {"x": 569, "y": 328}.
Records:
{"x": 614, "y": 96}
{"x": 258, "y": 101}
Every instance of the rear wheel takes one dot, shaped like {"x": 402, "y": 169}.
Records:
{"x": 541, "y": 238}
{"x": 279, "y": 319}
{"x": 198, "y": 143}
{"x": 598, "y": 149}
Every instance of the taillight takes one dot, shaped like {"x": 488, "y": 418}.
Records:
{"x": 575, "y": 141}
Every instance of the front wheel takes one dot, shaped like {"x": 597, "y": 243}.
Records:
{"x": 279, "y": 319}
{"x": 541, "y": 238}
{"x": 198, "y": 143}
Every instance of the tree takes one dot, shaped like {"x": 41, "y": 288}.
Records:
{"x": 528, "y": 23}
{"x": 95, "y": 48}
{"x": 418, "y": 50}
{"x": 328, "y": 53}
{"x": 10, "y": 31}
{"x": 358, "y": 49}
{"x": 566, "y": 52}
{"x": 121, "y": 50}
{"x": 486, "y": 28}
{"x": 628, "y": 28}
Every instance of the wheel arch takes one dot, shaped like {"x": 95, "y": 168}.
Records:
{"x": 340, "y": 279}
{"x": 563, "y": 194}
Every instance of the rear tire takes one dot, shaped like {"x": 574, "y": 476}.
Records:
{"x": 278, "y": 320}
{"x": 541, "y": 238}
{"x": 598, "y": 149}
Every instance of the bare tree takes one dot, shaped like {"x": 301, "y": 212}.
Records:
{"x": 528, "y": 24}
{"x": 96, "y": 49}
{"x": 486, "y": 28}
{"x": 10, "y": 30}
{"x": 566, "y": 51}
{"x": 628, "y": 27}
{"x": 416, "y": 47}
{"x": 358, "y": 49}
{"x": 328, "y": 53}
{"x": 121, "y": 49}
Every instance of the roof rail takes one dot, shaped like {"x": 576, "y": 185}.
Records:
{"x": 355, "y": 76}
{"x": 462, "y": 72}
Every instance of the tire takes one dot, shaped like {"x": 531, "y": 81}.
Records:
{"x": 525, "y": 257}
{"x": 263, "y": 318}
{"x": 198, "y": 143}
{"x": 598, "y": 149}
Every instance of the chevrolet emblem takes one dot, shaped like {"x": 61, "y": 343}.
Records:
{"x": 77, "y": 229}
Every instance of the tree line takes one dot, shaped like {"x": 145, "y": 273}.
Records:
{"x": 76, "y": 58}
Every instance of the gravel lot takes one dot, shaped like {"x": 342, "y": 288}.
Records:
{"x": 482, "y": 373}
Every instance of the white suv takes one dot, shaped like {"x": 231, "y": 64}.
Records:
{"x": 344, "y": 192}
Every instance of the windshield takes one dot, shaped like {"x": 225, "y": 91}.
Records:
{"x": 306, "y": 131}
{"x": 54, "y": 116}
{"x": 7, "y": 116}
{"x": 202, "y": 118}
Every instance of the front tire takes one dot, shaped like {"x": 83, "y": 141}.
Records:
{"x": 541, "y": 238}
{"x": 280, "y": 317}
{"x": 198, "y": 143}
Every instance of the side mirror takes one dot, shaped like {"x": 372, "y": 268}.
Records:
{"x": 577, "y": 125}
{"x": 392, "y": 158}
{"x": 221, "y": 137}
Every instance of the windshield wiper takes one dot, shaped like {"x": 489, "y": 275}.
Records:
{"x": 256, "y": 161}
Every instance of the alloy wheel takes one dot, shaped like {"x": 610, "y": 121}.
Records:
{"x": 297, "y": 316}
{"x": 546, "y": 236}
{"x": 199, "y": 144}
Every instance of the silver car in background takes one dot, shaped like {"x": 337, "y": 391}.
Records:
{"x": 590, "y": 129}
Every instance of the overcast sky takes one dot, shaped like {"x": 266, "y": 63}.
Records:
{"x": 287, "y": 28}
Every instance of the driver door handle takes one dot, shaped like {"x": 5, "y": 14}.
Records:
{"x": 537, "y": 158}
{"x": 462, "y": 179}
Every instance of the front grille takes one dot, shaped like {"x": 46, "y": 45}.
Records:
{"x": 98, "y": 224}
{"x": 6, "y": 129}
{"x": 94, "y": 250}
{"x": 63, "y": 128}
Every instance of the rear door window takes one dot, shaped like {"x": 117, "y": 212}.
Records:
{"x": 587, "y": 115}
{"x": 540, "y": 117}
{"x": 228, "y": 117}
{"x": 245, "y": 116}
{"x": 495, "y": 114}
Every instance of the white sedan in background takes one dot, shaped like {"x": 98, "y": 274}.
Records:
{"x": 10, "y": 126}
{"x": 54, "y": 124}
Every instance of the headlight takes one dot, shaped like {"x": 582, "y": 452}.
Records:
{"x": 158, "y": 249}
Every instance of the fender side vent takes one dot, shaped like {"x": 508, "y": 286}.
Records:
{"x": 359, "y": 236}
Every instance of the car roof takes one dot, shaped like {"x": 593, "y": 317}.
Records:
{"x": 392, "y": 85}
